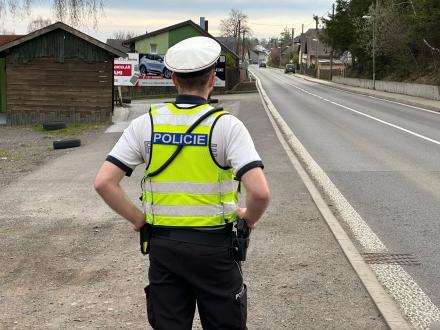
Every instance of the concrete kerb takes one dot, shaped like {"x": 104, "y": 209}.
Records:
{"x": 380, "y": 95}
{"x": 385, "y": 304}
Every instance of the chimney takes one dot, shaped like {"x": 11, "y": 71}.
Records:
{"x": 202, "y": 22}
{"x": 206, "y": 25}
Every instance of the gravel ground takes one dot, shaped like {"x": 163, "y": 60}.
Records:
{"x": 23, "y": 149}
{"x": 69, "y": 262}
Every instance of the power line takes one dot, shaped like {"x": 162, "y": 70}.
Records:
{"x": 288, "y": 25}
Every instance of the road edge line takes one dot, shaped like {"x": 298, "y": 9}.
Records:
{"x": 384, "y": 303}
{"x": 391, "y": 98}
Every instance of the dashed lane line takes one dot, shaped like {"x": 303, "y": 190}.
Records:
{"x": 371, "y": 97}
{"x": 363, "y": 114}
{"x": 415, "y": 304}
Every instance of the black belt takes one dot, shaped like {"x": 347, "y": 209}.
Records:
{"x": 221, "y": 237}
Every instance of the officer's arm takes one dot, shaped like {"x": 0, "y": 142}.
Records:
{"x": 107, "y": 185}
{"x": 257, "y": 196}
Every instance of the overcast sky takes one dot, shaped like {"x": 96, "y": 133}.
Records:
{"x": 266, "y": 18}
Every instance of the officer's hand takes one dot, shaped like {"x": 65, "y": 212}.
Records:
{"x": 241, "y": 212}
{"x": 138, "y": 223}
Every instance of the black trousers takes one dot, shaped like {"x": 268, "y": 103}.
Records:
{"x": 182, "y": 275}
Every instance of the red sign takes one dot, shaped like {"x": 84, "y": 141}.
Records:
{"x": 122, "y": 70}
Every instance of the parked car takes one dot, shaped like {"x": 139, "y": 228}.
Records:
{"x": 153, "y": 64}
{"x": 289, "y": 68}
{"x": 262, "y": 65}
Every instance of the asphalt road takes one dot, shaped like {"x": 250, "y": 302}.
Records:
{"x": 382, "y": 156}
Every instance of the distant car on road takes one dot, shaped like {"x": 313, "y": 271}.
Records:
{"x": 262, "y": 65}
{"x": 153, "y": 63}
{"x": 289, "y": 68}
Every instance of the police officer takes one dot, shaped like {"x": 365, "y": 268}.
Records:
{"x": 190, "y": 200}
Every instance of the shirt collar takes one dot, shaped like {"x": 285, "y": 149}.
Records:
{"x": 190, "y": 99}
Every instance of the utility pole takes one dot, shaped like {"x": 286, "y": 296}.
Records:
{"x": 242, "y": 47}
{"x": 293, "y": 43}
{"x": 238, "y": 38}
{"x": 300, "y": 55}
{"x": 374, "y": 44}
{"x": 316, "y": 18}
{"x": 373, "y": 18}
{"x": 331, "y": 53}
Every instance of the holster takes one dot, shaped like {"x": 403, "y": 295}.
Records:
{"x": 145, "y": 236}
{"x": 241, "y": 241}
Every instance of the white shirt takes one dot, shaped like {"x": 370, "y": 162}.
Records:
{"x": 231, "y": 145}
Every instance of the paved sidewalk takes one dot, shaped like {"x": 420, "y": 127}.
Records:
{"x": 406, "y": 99}
{"x": 68, "y": 262}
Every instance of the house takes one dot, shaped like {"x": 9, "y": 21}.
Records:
{"x": 259, "y": 54}
{"x": 57, "y": 73}
{"x": 312, "y": 49}
{"x": 159, "y": 41}
{"x": 4, "y": 39}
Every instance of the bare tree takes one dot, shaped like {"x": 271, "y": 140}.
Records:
{"x": 38, "y": 23}
{"x": 123, "y": 35}
{"x": 74, "y": 12}
{"x": 235, "y": 24}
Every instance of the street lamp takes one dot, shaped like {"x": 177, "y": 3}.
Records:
{"x": 374, "y": 48}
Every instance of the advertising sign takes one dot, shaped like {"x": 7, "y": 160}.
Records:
{"x": 125, "y": 69}
{"x": 140, "y": 69}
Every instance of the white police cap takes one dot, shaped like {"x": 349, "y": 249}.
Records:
{"x": 192, "y": 55}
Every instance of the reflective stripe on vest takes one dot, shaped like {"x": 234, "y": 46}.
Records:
{"x": 192, "y": 191}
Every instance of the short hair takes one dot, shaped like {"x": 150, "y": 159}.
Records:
{"x": 194, "y": 80}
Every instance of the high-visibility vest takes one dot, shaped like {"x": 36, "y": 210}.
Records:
{"x": 193, "y": 191}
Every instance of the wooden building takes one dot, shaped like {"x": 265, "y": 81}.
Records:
{"x": 57, "y": 73}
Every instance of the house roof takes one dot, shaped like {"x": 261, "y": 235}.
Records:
{"x": 62, "y": 26}
{"x": 310, "y": 41}
{"x": 4, "y": 39}
{"x": 118, "y": 44}
{"x": 176, "y": 26}
{"x": 229, "y": 42}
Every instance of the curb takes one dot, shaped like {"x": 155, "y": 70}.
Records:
{"x": 367, "y": 92}
{"x": 385, "y": 304}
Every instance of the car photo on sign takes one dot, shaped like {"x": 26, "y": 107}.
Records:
{"x": 145, "y": 69}
{"x": 153, "y": 64}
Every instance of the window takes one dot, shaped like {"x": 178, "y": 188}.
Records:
{"x": 153, "y": 48}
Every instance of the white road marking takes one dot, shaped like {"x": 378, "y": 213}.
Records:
{"x": 403, "y": 104}
{"x": 415, "y": 304}
{"x": 374, "y": 97}
{"x": 365, "y": 115}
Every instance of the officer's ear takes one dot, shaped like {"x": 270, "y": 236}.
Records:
{"x": 211, "y": 79}
{"x": 175, "y": 82}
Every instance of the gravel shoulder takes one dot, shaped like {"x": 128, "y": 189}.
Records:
{"x": 68, "y": 262}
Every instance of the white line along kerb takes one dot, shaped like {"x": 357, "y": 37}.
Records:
{"x": 366, "y": 115}
{"x": 415, "y": 304}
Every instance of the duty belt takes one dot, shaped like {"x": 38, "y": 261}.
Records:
{"x": 221, "y": 237}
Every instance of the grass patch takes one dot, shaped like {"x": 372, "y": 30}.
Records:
{"x": 25, "y": 145}
{"x": 6, "y": 155}
{"x": 71, "y": 130}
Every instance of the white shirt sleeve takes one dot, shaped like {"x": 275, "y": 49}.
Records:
{"x": 133, "y": 147}
{"x": 232, "y": 145}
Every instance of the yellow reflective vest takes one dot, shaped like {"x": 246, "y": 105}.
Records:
{"x": 193, "y": 191}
